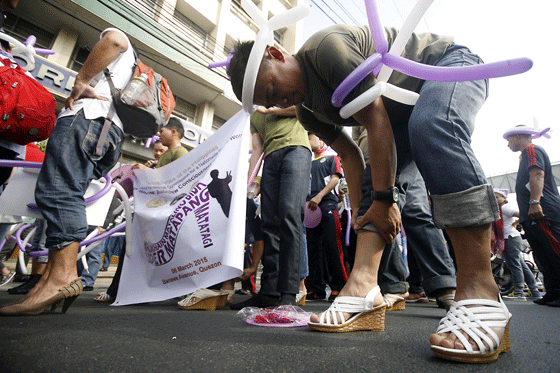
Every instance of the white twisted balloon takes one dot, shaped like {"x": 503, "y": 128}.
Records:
{"x": 264, "y": 38}
{"x": 384, "y": 63}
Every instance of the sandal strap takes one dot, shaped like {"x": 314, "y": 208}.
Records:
{"x": 346, "y": 304}
{"x": 102, "y": 296}
{"x": 476, "y": 322}
{"x": 200, "y": 295}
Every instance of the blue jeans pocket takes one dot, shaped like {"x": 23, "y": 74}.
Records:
{"x": 111, "y": 147}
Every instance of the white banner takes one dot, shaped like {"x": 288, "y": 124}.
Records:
{"x": 188, "y": 229}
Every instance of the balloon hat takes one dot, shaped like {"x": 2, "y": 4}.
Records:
{"x": 264, "y": 38}
{"x": 383, "y": 62}
{"x": 503, "y": 192}
{"x": 27, "y": 47}
{"x": 526, "y": 130}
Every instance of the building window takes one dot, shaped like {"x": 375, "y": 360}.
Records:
{"x": 21, "y": 30}
{"x": 217, "y": 123}
{"x": 191, "y": 32}
{"x": 279, "y": 35}
{"x": 184, "y": 110}
{"x": 79, "y": 58}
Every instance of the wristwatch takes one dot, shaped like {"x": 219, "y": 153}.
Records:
{"x": 534, "y": 202}
{"x": 389, "y": 195}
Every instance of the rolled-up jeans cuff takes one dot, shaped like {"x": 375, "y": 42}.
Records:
{"x": 435, "y": 284}
{"x": 475, "y": 206}
{"x": 61, "y": 245}
{"x": 394, "y": 287}
{"x": 367, "y": 228}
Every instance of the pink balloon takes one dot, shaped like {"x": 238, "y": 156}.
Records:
{"x": 312, "y": 218}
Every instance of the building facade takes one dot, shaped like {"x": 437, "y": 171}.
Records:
{"x": 178, "y": 38}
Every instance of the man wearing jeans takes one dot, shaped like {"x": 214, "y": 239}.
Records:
{"x": 435, "y": 133}
{"x": 513, "y": 244}
{"x": 284, "y": 186}
{"x": 71, "y": 163}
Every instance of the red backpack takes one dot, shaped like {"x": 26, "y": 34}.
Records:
{"x": 27, "y": 109}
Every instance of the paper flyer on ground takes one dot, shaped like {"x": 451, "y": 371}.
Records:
{"x": 189, "y": 222}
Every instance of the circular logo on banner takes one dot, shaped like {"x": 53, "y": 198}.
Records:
{"x": 160, "y": 201}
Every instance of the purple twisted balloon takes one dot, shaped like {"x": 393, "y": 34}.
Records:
{"x": 392, "y": 59}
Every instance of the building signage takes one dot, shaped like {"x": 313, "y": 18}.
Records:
{"x": 60, "y": 80}
{"x": 54, "y": 77}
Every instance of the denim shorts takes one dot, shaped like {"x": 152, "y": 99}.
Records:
{"x": 70, "y": 165}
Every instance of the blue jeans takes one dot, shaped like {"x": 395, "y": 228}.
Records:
{"x": 94, "y": 263}
{"x": 112, "y": 247}
{"x": 70, "y": 165}
{"x": 392, "y": 270}
{"x": 424, "y": 239}
{"x": 439, "y": 131}
{"x": 304, "y": 258}
{"x": 520, "y": 272}
{"x": 284, "y": 186}
{"x": 38, "y": 243}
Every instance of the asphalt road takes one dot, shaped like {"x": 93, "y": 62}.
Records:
{"x": 159, "y": 337}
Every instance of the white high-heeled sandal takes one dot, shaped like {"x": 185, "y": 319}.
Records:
{"x": 366, "y": 315}
{"x": 476, "y": 322}
{"x": 204, "y": 299}
{"x": 395, "y": 302}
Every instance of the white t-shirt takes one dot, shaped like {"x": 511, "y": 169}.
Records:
{"x": 121, "y": 69}
{"x": 507, "y": 214}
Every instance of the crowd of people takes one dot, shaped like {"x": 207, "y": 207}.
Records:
{"x": 411, "y": 173}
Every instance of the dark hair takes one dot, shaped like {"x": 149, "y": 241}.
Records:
{"x": 175, "y": 123}
{"x": 238, "y": 65}
{"x": 5, "y": 45}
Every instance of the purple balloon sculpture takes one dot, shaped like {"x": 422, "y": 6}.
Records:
{"x": 31, "y": 41}
{"x": 415, "y": 69}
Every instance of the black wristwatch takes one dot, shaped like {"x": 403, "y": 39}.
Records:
{"x": 389, "y": 195}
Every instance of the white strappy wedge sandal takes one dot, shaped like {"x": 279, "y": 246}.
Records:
{"x": 395, "y": 302}
{"x": 366, "y": 315}
{"x": 475, "y": 317}
{"x": 204, "y": 299}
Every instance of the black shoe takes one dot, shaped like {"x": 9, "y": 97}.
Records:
{"x": 258, "y": 300}
{"x": 555, "y": 303}
{"x": 24, "y": 288}
{"x": 102, "y": 269}
{"x": 88, "y": 288}
{"x": 21, "y": 278}
{"x": 243, "y": 292}
{"x": 548, "y": 298}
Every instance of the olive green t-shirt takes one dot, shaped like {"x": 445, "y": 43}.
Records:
{"x": 170, "y": 155}
{"x": 278, "y": 132}
{"x": 331, "y": 54}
